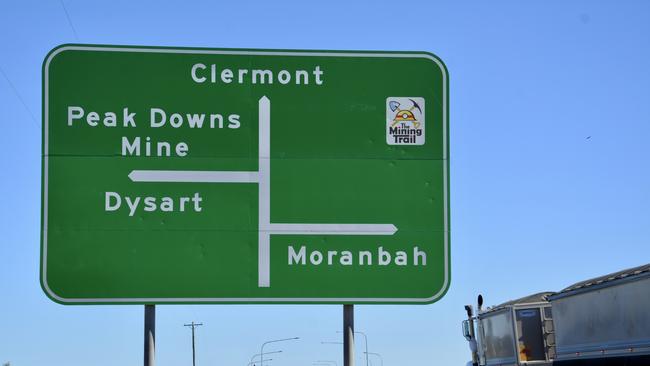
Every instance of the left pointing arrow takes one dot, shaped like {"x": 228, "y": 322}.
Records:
{"x": 193, "y": 176}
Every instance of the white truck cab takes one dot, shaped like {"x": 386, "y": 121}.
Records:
{"x": 515, "y": 333}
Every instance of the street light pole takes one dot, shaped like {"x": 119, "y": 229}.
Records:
{"x": 365, "y": 337}
{"x": 325, "y": 363}
{"x": 259, "y": 354}
{"x": 273, "y": 341}
{"x": 378, "y": 355}
{"x": 253, "y": 362}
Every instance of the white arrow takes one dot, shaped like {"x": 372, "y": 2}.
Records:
{"x": 191, "y": 176}
{"x": 263, "y": 178}
{"x": 331, "y": 229}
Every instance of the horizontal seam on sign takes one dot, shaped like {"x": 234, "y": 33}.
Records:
{"x": 230, "y": 231}
{"x": 187, "y": 158}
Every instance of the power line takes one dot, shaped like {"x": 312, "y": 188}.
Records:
{"x": 20, "y": 98}
{"x": 69, "y": 20}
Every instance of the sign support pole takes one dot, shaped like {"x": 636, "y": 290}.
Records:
{"x": 348, "y": 335}
{"x": 149, "y": 335}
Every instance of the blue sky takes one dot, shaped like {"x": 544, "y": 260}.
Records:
{"x": 550, "y": 179}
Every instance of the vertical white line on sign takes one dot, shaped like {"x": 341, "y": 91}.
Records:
{"x": 264, "y": 193}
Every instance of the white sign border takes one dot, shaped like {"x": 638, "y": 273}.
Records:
{"x": 243, "y": 300}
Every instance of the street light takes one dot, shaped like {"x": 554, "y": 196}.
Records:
{"x": 325, "y": 363}
{"x": 267, "y": 353}
{"x": 253, "y": 362}
{"x": 378, "y": 355}
{"x": 273, "y": 341}
{"x": 365, "y": 337}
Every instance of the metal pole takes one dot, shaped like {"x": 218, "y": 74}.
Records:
{"x": 378, "y": 355}
{"x": 253, "y": 363}
{"x": 365, "y": 337}
{"x": 149, "y": 335}
{"x": 348, "y": 335}
{"x": 266, "y": 353}
{"x": 325, "y": 363}
{"x": 193, "y": 349}
{"x": 193, "y": 325}
{"x": 273, "y": 341}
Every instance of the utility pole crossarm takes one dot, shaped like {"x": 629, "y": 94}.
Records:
{"x": 193, "y": 324}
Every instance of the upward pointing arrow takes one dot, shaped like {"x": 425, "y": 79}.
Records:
{"x": 263, "y": 178}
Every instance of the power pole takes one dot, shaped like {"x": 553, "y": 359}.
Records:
{"x": 193, "y": 325}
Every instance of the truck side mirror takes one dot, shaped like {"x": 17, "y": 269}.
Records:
{"x": 466, "y": 332}
{"x": 480, "y": 301}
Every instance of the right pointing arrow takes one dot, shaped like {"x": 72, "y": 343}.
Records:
{"x": 332, "y": 229}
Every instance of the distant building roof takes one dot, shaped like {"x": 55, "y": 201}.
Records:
{"x": 626, "y": 273}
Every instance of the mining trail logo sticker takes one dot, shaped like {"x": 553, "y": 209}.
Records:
{"x": 405, "y": 121}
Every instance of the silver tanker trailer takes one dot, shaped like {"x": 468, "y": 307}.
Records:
{"x": 604, "y": 321}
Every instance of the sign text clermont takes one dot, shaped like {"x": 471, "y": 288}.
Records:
{"x": 200, "y": 74}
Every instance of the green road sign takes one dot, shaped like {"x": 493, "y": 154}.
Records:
{"x": 175, "y": 175}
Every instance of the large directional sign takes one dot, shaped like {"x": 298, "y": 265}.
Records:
{"x": 244, "y": 176}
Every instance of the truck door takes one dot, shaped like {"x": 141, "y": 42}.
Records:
{"x": 530, "y": 341}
